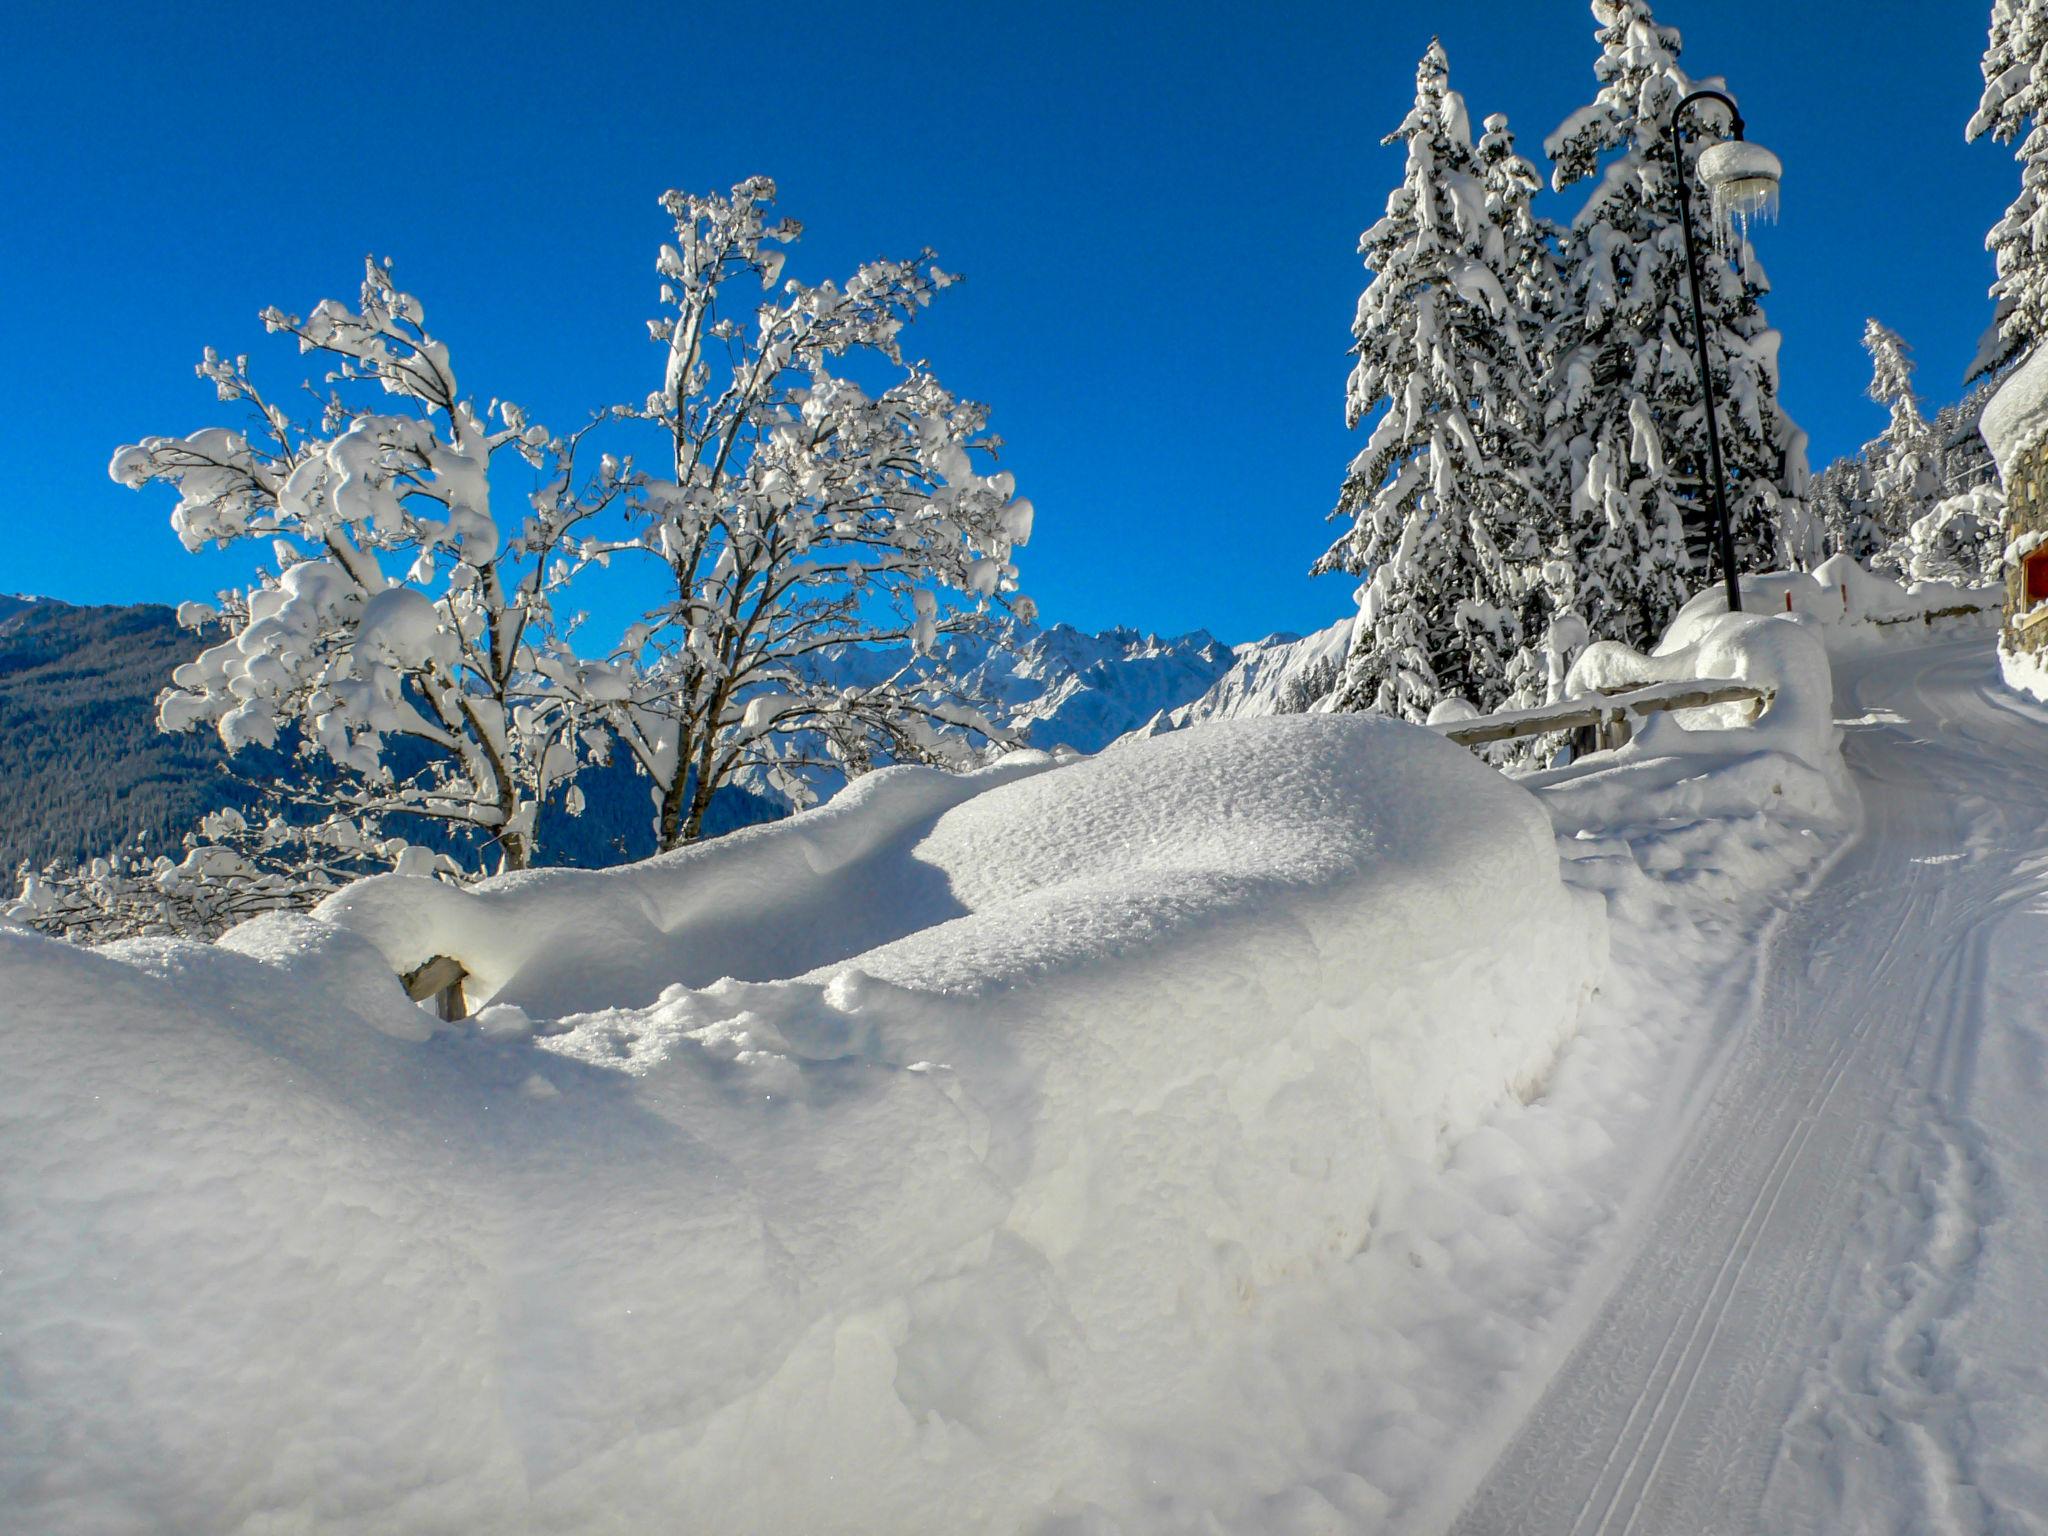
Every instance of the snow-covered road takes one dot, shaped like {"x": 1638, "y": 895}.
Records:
{"x": 1834, "y": 1312}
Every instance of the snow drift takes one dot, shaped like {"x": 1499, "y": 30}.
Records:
{"x": 1039, "y": 1089}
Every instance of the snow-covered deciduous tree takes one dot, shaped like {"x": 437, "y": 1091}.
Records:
{"x": 1445, "y": 503}
{"x": 822, "y": 495}
{"x": 406, "y": 647}
{"x": 399, "y": 641}
{"x": 1625, "y": 405}
{"x": 2015, "y": 67}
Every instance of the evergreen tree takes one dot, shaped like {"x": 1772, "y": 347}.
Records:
{"x": 1444, "y": 502}
{"x": 1625, "y": 407}
{"x": 1905, "y": 462}
{"x": 2015, "y": 87}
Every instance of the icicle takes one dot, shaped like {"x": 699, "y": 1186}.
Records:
{"x": 1742, "y": 182}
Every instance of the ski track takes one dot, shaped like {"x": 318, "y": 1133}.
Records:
{"x": 1780, "y": 1352}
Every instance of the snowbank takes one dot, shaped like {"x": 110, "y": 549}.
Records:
{"x": 1856, "y": 609}
{"x": 1718, "y": 764}
{"x": 2024, "y": 671}
{"x": 762, "y": 902}
{"x": 1042, "y": 1093}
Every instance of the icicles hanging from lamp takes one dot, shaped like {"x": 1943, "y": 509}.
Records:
{"x": 1742, "y": 181}
{"x": 1742, "y": 184}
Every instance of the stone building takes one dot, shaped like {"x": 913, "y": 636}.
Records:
{"x": 2015, "y": 426}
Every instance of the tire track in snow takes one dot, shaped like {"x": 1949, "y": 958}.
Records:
{"x": 1670, "y": 1414}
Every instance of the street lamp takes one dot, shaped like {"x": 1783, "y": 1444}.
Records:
{"x": 1742, "y": 179}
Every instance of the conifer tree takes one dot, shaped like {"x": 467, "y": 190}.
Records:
{"x": 2015, "y": 68}
{"x": 1905, "y": 469}
{"x": 1625, "y": 408}
{"x": 1444, "y": 500}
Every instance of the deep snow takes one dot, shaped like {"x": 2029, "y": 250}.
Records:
{"x": 960, "y": 1215}
{"x": 1234, "y": 1130}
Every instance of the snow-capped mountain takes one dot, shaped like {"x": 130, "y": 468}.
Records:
{"x": 1063, "y": 687}
{"x": 1280, "y": 675}
{"x": 13, "y": 604}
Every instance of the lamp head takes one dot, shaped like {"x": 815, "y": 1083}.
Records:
{"x": 1742, "y": 179}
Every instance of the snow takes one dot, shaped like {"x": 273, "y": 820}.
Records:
{"x": 966, "y": 1224}
{"x": 1234, "y": 1130}
{"x": 1060, "y": 686}
{"x": 2017, "y": 416}
{"x": 1855, "y": 609}
{"x": 1280, "y": 675}
{"x": 1742, "y": 181}
{"x": 2024, "y": 671}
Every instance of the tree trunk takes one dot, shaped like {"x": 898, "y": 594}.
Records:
{"x": 671, "y": 834}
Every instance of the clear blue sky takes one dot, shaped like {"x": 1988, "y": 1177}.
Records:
{"x": 1156, "y": 207}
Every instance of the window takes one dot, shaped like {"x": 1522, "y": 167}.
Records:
{"x": 2034, "y": 576}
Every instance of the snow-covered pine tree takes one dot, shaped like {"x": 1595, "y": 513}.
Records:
{"x": 1444, "y": 500}
{"x": 1843, "y": 500}
{"x": 2015, "y": 87}
{"x": 1527, "y": 263}
{"x": 1625, "y": 411}
{"x": 1905, "y": 468}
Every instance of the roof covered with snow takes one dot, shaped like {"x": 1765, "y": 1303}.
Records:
{"x": 2017, "y": 416}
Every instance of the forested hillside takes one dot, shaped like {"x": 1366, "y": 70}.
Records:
{"x": 83, "y": 768}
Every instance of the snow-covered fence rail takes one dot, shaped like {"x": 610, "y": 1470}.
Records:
{"x": 1607, "y": 718}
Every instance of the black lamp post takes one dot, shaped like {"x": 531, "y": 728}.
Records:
{"x": 1743, "y": 177}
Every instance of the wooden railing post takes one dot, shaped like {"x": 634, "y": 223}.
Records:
{"x": 441, "y": 980}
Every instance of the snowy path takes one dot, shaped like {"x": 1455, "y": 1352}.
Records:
{"x": 1835, "y": 1314}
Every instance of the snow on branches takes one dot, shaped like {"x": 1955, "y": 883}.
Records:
{"x": 406, "y": 644}
{"x": 424, "y": 688}
{"x": 1446, "y": 500}
{"x": 2015, "y": 68}
{"x": 230, "y": 869}
{"x": 824, "y": 498}
{"x": 1625, "y": 406}
{"x": 1539, "y": 468}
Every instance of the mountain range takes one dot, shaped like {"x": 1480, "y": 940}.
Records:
{"x": 84, "y": 771}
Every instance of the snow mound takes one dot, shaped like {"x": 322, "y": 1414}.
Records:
{"x": 967, "y": 1229}
{"x": 1856, "y": 609}
{"x": 1721, "y": 763}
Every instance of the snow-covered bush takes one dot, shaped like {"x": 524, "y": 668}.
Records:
{"x": 230, "y": 869}
{"x": 1961, "y": 539}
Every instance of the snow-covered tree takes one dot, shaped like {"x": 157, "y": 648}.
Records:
{"x": 1445, "y": 501}
{"x": 229, "y": 869}
{"x": 1844, "y": 502}
{"x": 398, "y": 642}
{"x": 1625, "y": 405}
{"x": 2015, "y": 67}
{"x": 406, "y": 647}
{"x": 822, "y": 497}
{"x": 1905, "y": 466}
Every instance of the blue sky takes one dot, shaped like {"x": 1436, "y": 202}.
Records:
{"x": 1156, "y": 208}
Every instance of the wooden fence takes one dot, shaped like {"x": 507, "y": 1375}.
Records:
{"x": 1602, "y": 721}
